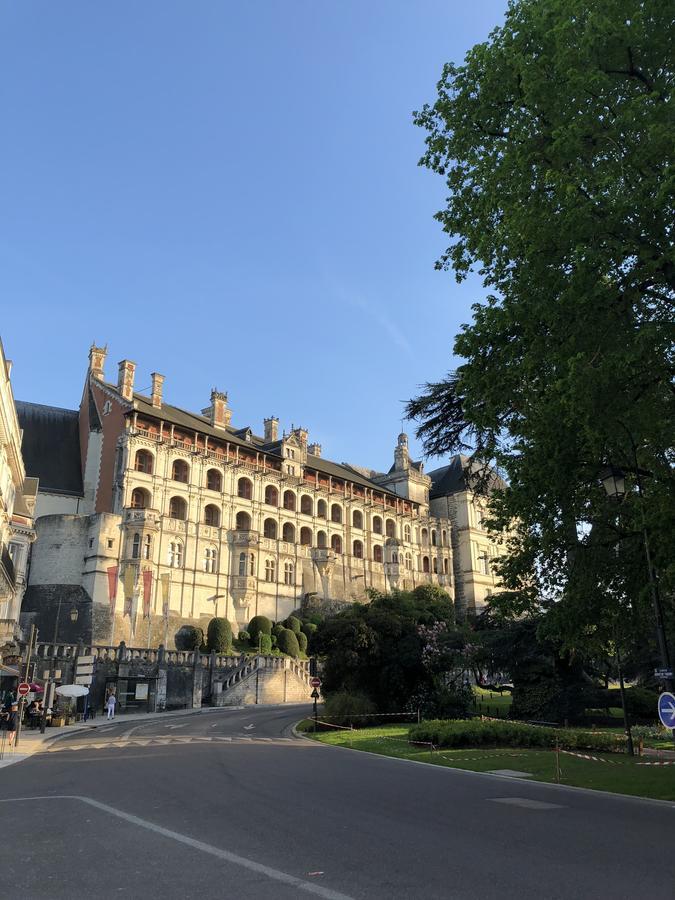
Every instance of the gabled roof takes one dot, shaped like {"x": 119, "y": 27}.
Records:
{"x": 459, "y": 475}
{"x": 51, "y": 446}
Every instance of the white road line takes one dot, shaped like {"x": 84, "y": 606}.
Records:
{"x": 226, "y": 855}
{"x": 184, "y": 725}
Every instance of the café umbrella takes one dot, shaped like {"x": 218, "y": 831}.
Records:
{"x": 72, "y": 690}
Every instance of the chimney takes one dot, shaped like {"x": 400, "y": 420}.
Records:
{"x": 97, "y": 357}
{"x": 221, "y": 416}
{"x": 314, "y": 449}
{"x": 302, "y": 434}
{"x": 271, "y": 426}
{"x": 157, "y": 385}
{"x": 125, "y": 379}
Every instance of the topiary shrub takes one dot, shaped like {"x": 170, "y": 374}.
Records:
{"x": 188, "y": 637}
{"x": 265, "y": 643}
{"x": 274, "y": 640}
{"x": 294, "y": 624}
{"x": 288, "y": 643}
{"x": 278, "y": 628}
{"x": 259, "y": 625}
{"x": 244, "y": 636}
{"x": 309, "y": 628}
{"x": 219, "y": 635}
{"x": 302, "y": 641}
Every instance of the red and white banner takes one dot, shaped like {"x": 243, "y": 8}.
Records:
{"x": 147, "y": 592}
{"x": 113, "y": 575}
{"x": 165, "y": 580}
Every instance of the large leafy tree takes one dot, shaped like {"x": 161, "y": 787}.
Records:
{"x": 555, "y": 138}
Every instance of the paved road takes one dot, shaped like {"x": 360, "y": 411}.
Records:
{"x": 227, "y": 803}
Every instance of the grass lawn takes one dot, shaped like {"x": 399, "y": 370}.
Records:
{"x": 627, "y": 778}
{"x": 491, "y": 703}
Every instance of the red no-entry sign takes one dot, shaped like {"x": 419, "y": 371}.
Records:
{"x": 315, "y": 682}
{"x": 23, "y": 689}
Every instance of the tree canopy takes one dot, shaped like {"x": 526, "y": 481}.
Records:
{"x": 555, "y": 139}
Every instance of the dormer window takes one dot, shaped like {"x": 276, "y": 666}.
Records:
{"x": 290, "y": 453}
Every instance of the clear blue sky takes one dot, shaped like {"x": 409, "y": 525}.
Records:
{"x": 227, "y": 192}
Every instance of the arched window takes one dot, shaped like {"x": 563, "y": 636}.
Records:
{"x": 270, "y": 570}
{"x": 211, "y": 515}
{"x": 289, "y": 572}
{"x": 289, "y": 500}
{"x": 177, "y": 508}
{"x": 357, "y": 519}
{"x": 270, "y": 529}
{"x": 406, "y": 533}
{"x": 444, "y": 538}
{"x": 246, "y": 564}
{"x": 425, "y": 563}
{"x": 425, "y": 537}
{"x": 321, "y": 540}
{"x": 306, "y": 537}
{"x": 243, "y": 522}
{"x": 140, "y": 499}
{"x": 445, "y": 566}
{"x": 175, "y": 554}
{"x": 210, "y": 560}
{"x": 245, "y": 488}
{"x": 306, "y": 505}
{"x": 180, "y": 471}
{"x": 288, "y": 533}
{"x": 377, "y": 553}
{"x": 390, "y": 528}
{"x": 377, "y": 525}
{"x": 433, "y": 537}
{"x": 336, "y": 513}
{"x": 143, "y": 461}
{"x": 214, "y": 480}
{"x": 358, "y": 549}
{"x": 147, "y": 547}
{"x": 336, "y": 543}
{"x": 136, "y": 546}
{"x": 435, "y": 566}
{"x": 322, "y": 509}
{"x": 271, "y": 495}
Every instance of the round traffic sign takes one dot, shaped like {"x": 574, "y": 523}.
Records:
{"x": 667, "y": 709}
{"x": 315, "y": 682}
{"x": 23, "y": 689}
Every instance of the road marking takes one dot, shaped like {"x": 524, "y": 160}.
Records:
{"x": 526, "y": 803}
{"x": 184, "y": 725}
{"x": 248, "y": 727}
{"x": 226, "y": 855}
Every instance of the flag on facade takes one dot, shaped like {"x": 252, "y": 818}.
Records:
{"x": 165, "y": 580}
{"x": 129, "y": 582}
{"x": 147, "y": 592}
{"x": 113, "y": 574}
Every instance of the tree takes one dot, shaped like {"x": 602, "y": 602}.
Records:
{"x": 219, "y": 635}
{"x": 555, "y": 141}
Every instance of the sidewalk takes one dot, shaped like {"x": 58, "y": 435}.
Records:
{"x": 33, "y": 741}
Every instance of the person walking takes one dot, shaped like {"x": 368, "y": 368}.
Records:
{"x": 12, "y": 722}
{"x": 110, "y": 705}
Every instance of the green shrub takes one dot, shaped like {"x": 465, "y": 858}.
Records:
{"x": 309, "y": 628}
{"x": 478, "y": 733}
{"x": 302, "y": 641}
{"x": 219, "y": 635}
{"x": 188, "y": 637}
{"x": 259, "y": 625}
{"x": 294, "y": 624}
{"x": 641, "y": 702}
{"x": 288, "y": 643}
{"x": 345, "y": 708}
{"x": 244, "y": 636}
{"x": 274, "y": 640}
{"x": 278, "y": 628}
{"x": 265, "y": 643}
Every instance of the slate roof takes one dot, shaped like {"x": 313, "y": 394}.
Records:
{"x": 51, "y": 446}
{"x": 456, "y": 477}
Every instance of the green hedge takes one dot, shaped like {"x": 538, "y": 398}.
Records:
{"x": 265, "y": 643}
{"x": 302, "y": 641}
{"x": 294, "y": 624}
{"x": 259, "y": 625}
{"x": 188, "y": 637}
{"x": 244, "y": 637}
{"x": 278, "y": 628}
{"x": 476, "y": 733}
{"x": 219, "y": 635}
{"x": 288, "y": 643}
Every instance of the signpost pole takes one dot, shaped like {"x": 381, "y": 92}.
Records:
{"x": 26, "y": 671}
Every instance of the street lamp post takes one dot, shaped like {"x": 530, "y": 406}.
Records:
{"x": 48, "y": 687}
{"x": 614, "y": 482}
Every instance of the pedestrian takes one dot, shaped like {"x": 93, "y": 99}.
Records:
{"x": 12, "y": 721}
{"x": 110, "y": 705}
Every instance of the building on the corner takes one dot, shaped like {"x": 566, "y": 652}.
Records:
{"x": 17, "y": 504}
{"x": 238, "y": 523}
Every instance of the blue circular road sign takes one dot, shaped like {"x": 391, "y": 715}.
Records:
{"x": 667, "y": 709}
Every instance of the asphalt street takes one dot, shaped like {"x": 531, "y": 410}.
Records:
{"x": 227, "y": 803}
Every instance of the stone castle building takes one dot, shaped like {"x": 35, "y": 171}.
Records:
{"x": 150, "y": 516}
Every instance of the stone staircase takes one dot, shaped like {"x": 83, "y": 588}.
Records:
{"x": 264, "y": 680}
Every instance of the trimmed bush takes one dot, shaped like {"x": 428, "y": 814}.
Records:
{"x": 259, "y": 625}
{"x": 274, "y": 640}
{"x": 302, "y": 641}
{"x": 219, "y": 635}
{"x": 278, "y": 628}
{"x": 188, "y": 637}
{"x": 308, "y": 628}
{"x": 477, "y": 733}
{"x": 265, "y": 643}
{"x": 294, "y": 624}
{"x": 344, "y": 706}
{"x": 288, "y": 643}
{"x": 244, "y": 636}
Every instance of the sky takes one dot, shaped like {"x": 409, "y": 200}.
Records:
{"x": 228, "y": 193}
